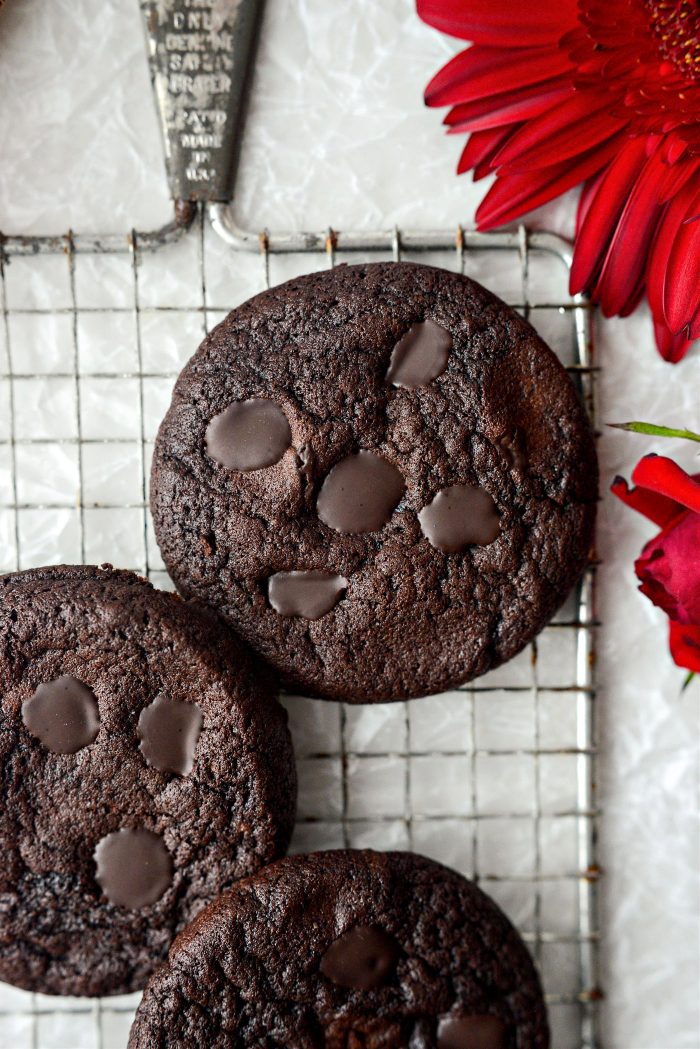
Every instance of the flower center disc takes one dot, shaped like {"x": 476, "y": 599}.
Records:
{"x": 676, "y": 25}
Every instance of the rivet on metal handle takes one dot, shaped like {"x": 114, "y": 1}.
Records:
{"x": 200, "y": 52}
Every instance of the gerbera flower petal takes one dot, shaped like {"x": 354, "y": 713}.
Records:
{"x": 684, "y": 642}
{"x": 682, "y": 280}
{"x": 481, "y": 147}
{"x": 562, "y": 81}
{"x": 635, "y": 296}
{"x": 660, "y": 474}
{"x": 507, "y": 108}
{"x": 678, "y": 176}
{"x": 657, "y": 508}
{"x": 694, "y": 329}
{"x": 520, "y": 23}
{"x": 566, "y": 129}
{"x": 672, "y": 348}
{"x": 667, "y": 232}
{"x": 590, "y": 188}
{"x": 513, "y": 195}
{"x": 481, "y": 72}
{"x": 595, "y": 227}
{"x": 627, "y": 255}
{"x": 674, "y": 148}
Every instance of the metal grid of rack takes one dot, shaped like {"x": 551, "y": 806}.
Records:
{"x": 497, "y": 778}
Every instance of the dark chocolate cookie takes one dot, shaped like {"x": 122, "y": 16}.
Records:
{"x": 381, "y": 476}
{"x": 145, "y": 767}
{"x": 347, "y": 950}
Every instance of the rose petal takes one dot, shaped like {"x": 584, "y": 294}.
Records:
{"x": 669, "y": 569}
{"x": 658, "y": 508}
{"x": 662, "y": 475}
{"x": 685, "y": 646}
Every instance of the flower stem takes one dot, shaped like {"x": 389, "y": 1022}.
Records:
{"x": 656, "y": 431}
{"x": 686, "y": 681}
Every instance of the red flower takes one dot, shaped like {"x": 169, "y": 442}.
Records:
{"x": 604, "y": 92}
{"x": 669, "y": 565}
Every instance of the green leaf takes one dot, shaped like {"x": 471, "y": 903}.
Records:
{"x": 688, "y": 678}
{"x": 656, "y": 431}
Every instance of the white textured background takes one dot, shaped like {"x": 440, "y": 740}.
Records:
{"x": 337, "y": 135}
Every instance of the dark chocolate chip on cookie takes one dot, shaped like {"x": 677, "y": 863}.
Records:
{"x": 381, "y": 476}
{"x": 146, "y": 766}
{"x": 347, "y": 950}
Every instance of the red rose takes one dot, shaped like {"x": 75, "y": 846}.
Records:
{"x": 669, "y": 565}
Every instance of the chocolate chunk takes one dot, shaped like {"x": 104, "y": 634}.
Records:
{"x": 363, "y": 958}
{"x": 360, "y": 493}
{"x": 169, "y": 731}
{"x": 248, "y": 435}
{"x": 62, "y": 714}
{"x": 134, "y": 868}
{"x": 420, "y": 356}
{"x": 472, "y": 1032}
{"x": 306, "y": 594}
{"x": 458, "y": 517}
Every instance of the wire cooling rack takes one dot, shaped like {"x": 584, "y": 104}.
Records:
{"x": 495, "y": 779}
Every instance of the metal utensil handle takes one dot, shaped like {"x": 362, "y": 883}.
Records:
{"x": 200, "y": 52}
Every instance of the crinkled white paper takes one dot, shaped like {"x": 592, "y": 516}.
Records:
{"x": 337, "y": 135}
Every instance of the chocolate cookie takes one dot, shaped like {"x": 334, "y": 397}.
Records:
{"x": 346, "y": 950}
{"x": 145, "y": 767}
{"x": 381, "y": 476}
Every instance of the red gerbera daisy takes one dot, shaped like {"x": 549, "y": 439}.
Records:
{"x": 605, "y": 92}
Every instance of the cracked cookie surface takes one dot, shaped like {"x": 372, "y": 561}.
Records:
{"x": 145, "y": 767}
{"x": 411, "y": 394}
{"x": 347, "y": 950}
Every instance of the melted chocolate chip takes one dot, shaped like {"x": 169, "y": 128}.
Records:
{"x": 306, "y": 594}
{"x": 169, "y": 731}
{"x": 458, "y": 517}
{"x": 363, "y": 958}
{"x": 472, "y": 1032}
{"x": 134, "y": 868}
{"x": 62, "y": 714}
{"x": 360, "y": 493}
{"x": 248, "y": 435}
{"x": 420, "y": 356}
